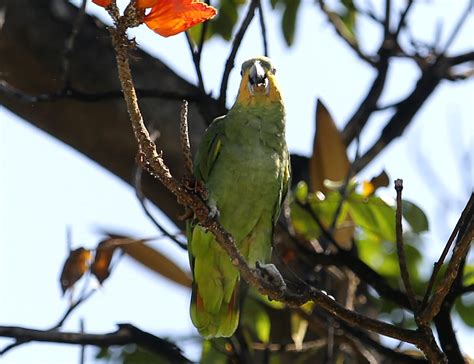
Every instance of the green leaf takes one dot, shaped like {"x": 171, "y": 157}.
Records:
{"x": 223, "y": 24}
{"x": 373, "y": 215}
{"x": 214, "y": 351}
{"x": 303, "y": 222}
{"x": 195, "y": 33}
{"x": 255, "y": 318}
{"x": 324, "y": 207}
{"x": 255, "y": 295}
{"x": 299, "y": 326}
{"x": 301, "y": 191}
{"x": 382, "y": 257}
{"x": 465, "y": 307}
{"x": 415, "y": 217}
{"x": 468, "y": 277}
{"x": 349, "y": 16}
{"x": 133, "y": 354}
{"x": 288, "y": 20}
{"x": 129, "y": 354}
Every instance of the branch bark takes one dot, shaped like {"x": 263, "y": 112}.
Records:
{"x": 126, "y": 334}
{"x": 32, "y": 41}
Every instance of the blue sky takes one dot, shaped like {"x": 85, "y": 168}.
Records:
{"x": 61, "y": 188}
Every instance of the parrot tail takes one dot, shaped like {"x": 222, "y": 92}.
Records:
{"x": 215, "y": 296}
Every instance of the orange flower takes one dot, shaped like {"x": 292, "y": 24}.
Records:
{"x": 142, "y": 4}
{"x": 103, "y": 3}
{"x": 170, "y": 17}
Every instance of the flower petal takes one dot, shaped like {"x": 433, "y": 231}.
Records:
{"x": 170, "y": 17}
{"x": 143, "y": 4}
{"x": 103, "y": 3}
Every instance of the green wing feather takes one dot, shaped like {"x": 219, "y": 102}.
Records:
{"x": 214, "y": 308}
{"x": 209, "y": 149}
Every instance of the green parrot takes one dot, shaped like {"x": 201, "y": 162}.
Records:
{"x": 243, "y": 161}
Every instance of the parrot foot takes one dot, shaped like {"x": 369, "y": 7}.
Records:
{"x": 213, "y": 211}
{"x": 270, "y": 273}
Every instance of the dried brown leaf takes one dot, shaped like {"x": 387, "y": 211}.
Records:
{"x": 369, "y": 188}
{"x": 74, "y": 267}
{"x": 329, "y": 160}
{"x": 157, "y": 262}
{"x": 103, "y": 256}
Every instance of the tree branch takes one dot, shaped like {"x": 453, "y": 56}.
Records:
{"x": 141, "y": 198}
{"x": 401, "y": 249}
{"x": 74, "y": 94}
{"x": 257, "y": 277}
{"x": 340, "y": 30}
{"x": 406, "y": 110}
{"x": 126, "y": 334}
{"x": 229, "y": 64}
{"x": 358, "y": 120}
{"x": 437, "y": 266}
{"x": 461, "y": 249}
{"x": 263, "y": 28}
{"x": 196, "y": 56}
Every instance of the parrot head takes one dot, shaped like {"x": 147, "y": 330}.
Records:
{"x": 258, "y": 83}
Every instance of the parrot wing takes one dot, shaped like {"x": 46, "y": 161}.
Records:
{"x": 209, "y": 149}
{"x": 214, "y": 306}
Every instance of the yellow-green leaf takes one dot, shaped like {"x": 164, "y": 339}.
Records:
{"x": 298, "y": 329}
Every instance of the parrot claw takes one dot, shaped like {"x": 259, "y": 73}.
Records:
{"x": 212, "y": 214}
{"x": 270, "y": 273}
{"x": 213, "y": 211}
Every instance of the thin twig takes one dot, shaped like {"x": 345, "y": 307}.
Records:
{"x": 196, "y": 60}
{"x": 402, "y": 260}
{"x": 202, "y": 37}
{"x": 82, "y": 352}
{"x": 20, "y": 341}
{"x": 141, "y": 199}
{"x": 457, "y": 27}
{"x": 437, "y": 266}
{"x": 387, "y": 20}
{"x": 359, "y": 119}
{"x": 461, "y": 249}
{"x": 70, "y": 42}
{"x": 429, "y": 80}
{"x": 342, "y": 32}
{"x": 263, "y": 28}
{"x": 466, "y": 289}
{"x": 229, "y": 64}
{"x": 184, "y": 138}
{"x": 403, "y": 16}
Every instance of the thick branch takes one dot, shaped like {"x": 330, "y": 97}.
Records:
{"x": 126, "y": 334}
{"x": 32, "y": 42}
{"x": 459, "y": 254}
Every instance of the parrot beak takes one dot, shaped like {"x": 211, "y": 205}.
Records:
{"x": 258, "y": 81}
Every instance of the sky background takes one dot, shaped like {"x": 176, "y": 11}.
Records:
{"x": 61, "y": 188}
